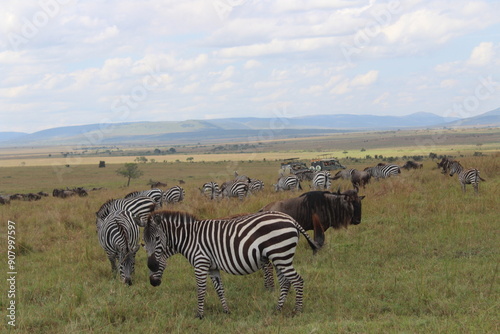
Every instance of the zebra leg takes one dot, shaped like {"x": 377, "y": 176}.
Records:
{"x": 291, "y": 277}
{"x": 268, "y": 275}
{"x": 217, "y": 281}
{"x": 201, "y": 284}
{"x": 284, "y": 288}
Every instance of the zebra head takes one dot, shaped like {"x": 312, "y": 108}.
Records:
{"x": 127, "y": 264}
{"x": 156, "y": 247}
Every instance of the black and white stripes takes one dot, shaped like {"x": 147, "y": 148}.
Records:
{"x": 466, "y": 176}
{"x": 238, "y": 246}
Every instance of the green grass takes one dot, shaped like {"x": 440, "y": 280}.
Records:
{"x": 423, "y": 260}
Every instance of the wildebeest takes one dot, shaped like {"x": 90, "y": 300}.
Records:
{"x": 4, "y": 200}
{"x": 445, "y": 165}
{"x": 360, "y": 178}
{"x": 318, "y": 211}
{"x": 412, "y": 165}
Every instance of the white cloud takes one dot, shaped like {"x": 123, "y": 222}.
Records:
{"x": 482, "y": 54}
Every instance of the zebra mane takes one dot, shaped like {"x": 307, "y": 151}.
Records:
{"x": 174, "y": 216}
{"x": 104, "y": 209}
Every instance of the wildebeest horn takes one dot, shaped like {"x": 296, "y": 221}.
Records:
{"x": 338, "y": 190}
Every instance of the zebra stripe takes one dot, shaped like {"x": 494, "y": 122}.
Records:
{"x": 290, "y": 182}
{"x": 321, "y": 180}
{"x": 239, "y": 246}
{"x": 156, "y": 194}
{"x": 234, "y": 189}
{"x": 255, "y": 185}
{"x": 119, "y": 237}
{"x": 466, "y": 176}
{"x": 174, "y": 195}
{"x": 383, "y": 171}
{"x": 211, "y": 190}
{"x": 140, "y": 206}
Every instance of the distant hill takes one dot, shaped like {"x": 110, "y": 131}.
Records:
{"x": 4, "y": 136}
{"x": 491, "y": 118}
{"x": 238, "y": 128}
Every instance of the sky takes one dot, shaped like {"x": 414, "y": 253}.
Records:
{"x": 74, "y": 62}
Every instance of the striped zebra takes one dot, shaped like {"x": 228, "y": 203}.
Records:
{"x": 119, "y": 237}
{"x": 234, "y": 189}
{"x": 321, "y": 181}
{"x": 173, "y": 195}
{"x": 140, "y": 206}
{"x": 211, "y": 190}
{"x": 255, "y": 185}
{"x": 466, "y": 176}
{"x": 156, "y": 194}
{"x": 241, "y": 245}
{"x": 383, "y": 171}
{"x": 289, "y": 182}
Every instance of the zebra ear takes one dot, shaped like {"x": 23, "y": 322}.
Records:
{"x": 139, "y": 221}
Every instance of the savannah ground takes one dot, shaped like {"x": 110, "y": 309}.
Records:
{"x": 423, "y": 260}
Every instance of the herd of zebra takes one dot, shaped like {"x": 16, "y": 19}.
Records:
{"x": 238, "y": 245}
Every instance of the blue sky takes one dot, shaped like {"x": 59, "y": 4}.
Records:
{"x": 69, "y": 62}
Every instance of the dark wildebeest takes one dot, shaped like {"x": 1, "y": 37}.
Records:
{"x": 445, "y": 165}
{"x": 412, "y": 165}
{"x": 360, "y": 178}
{"x": 318, "y": 211}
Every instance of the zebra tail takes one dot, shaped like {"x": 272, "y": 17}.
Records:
{"x": 477, "y": 173}
{"x": 313, "y": 244}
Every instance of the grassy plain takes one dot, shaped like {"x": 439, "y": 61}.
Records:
{"x": 423, "y": 260}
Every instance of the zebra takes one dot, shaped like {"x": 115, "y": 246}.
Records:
{"x": 383, "y": 171}
{"x": 241, "y": 245}
{"x": 140, "y": 206}
{"x": 290, "y": 182}
{"x": 234, "y": 189}
{"x": 174, "y": 195}
{"x": 255, "y": 185}
{"x": 321, "y": 180}
{"x": 156, "y": 194}
{"x": 119, "y": 237}
{"x": 211, "y": 190}
{"x": 466, "y": 176}
{"x": 243, "y": 178}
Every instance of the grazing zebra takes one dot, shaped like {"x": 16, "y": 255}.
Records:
{"x": 238, "y": 246}
{"x": 234, "y": 189}
{"x": 211, "y": 190}
{"x": 321, "y": 180}
{"x": 174, "y": 195}
{"x": 383, "y": 171}
{"x": 156, "y": 194}
{"x": 303, "y": 175}
{"x": 140, "y": 206}
{"x": 466, "y": 176}
{"x": 255, "y": 185}
{"x": 290, "y": 182}
{"x": 119, "y": 237}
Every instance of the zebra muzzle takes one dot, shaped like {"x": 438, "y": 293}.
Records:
{"x": 155, "y": 281}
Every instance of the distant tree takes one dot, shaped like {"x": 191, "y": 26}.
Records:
{"x": 157, "y": 151}
{"x": 172, "y": 150}
{"x": 141, "y": 159}
{"x": 190, "y": 159}
{"x": 130, "y": 171}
